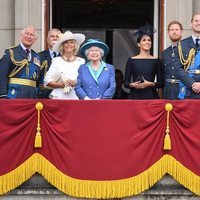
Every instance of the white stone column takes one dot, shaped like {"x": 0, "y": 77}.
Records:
{"x": 28, "y": 12}
{"x": 6, "y": 25}
{"x": 181, "y": 10}
{"x": 196, "y": 6}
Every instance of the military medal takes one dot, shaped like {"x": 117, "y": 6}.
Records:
{"x": 182, "y": 89}
{"x": 34, "y": 75}
{"x": 13, "y": 91}
{"x": 173, "y": 51}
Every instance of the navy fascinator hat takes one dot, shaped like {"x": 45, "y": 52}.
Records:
{"x": 146, "y": 29}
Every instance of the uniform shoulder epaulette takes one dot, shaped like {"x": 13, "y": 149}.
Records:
{"x": 41, "y": 52}
{"x": 167, "y": 49}
{"x": 35, "y": 52}
{"x": 12, "y": 47}
{"x": 187, "y": 38}
{"x": 184, "y": 40}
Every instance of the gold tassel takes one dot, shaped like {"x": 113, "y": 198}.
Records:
{"x": 167, "y": 140}
{"x": 38, "y": 136}
{"x": 38, "y": 140}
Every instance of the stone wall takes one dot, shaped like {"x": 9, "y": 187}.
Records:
{"x": 15, "y": 15}
{"x": 181, "y": 10}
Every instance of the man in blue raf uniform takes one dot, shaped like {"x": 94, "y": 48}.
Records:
{"x": 45, "y": 58}
{"x": 188, "y": 66}
{"x": 171, "y": 88}
{"x": 20, "y": 68}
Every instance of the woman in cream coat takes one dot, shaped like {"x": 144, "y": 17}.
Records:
{"x": 63, "y": 71}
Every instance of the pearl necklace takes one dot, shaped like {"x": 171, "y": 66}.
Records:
{"x": 73, "y": 58}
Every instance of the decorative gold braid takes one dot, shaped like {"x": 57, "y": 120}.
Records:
{"x": 190, "y": 59}
{"x": 45, "y": 66}
{"x": 19, "y": 64}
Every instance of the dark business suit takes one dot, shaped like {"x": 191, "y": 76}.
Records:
{"x": 18, "y": 76}
{"x": 171, "y": 87}
{"x": 187, "y": 44}
{"x": 120, "y": 94}
{"x": 44, "y": 57}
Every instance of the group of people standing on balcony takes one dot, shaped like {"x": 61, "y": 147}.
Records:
{"x": 58, "y": 72}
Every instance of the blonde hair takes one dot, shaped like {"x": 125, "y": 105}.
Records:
{"x": 76, "y": 49}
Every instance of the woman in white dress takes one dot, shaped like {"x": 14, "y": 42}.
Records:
{"x": 63, "y": 71}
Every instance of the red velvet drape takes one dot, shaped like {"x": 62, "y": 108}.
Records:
{"x": 99, "y": 140}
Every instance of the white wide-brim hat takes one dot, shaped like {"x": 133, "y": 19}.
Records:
{"x": 79, "y": 37}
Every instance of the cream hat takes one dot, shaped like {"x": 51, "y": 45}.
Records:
{"x": 79, "y": 37}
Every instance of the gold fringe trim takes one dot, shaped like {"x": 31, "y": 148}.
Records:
{"x": 18, "y": 176}
{"x": 100, "y": 189}
{"x": 183, "y": 175}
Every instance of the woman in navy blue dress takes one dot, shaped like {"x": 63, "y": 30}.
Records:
{"x": 144, "y": 74}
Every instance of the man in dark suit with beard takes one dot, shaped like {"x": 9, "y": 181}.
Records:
{"x": 171, "y": 88}
{"x": 187, "y": 66}
{"x": 46, "y": 57}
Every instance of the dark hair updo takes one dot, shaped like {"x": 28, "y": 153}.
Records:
{"x": 146, "y": 29}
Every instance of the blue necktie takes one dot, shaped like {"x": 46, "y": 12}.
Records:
{"x": 27, "y": 54}
{"x": 197, "y": 43}
{"x": 54, "y": 54}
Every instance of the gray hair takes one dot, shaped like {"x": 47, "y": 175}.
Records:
{"x": 29, "y": 26}
{"x": 52, "y": 30}
{"x": 88, "y": 50}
